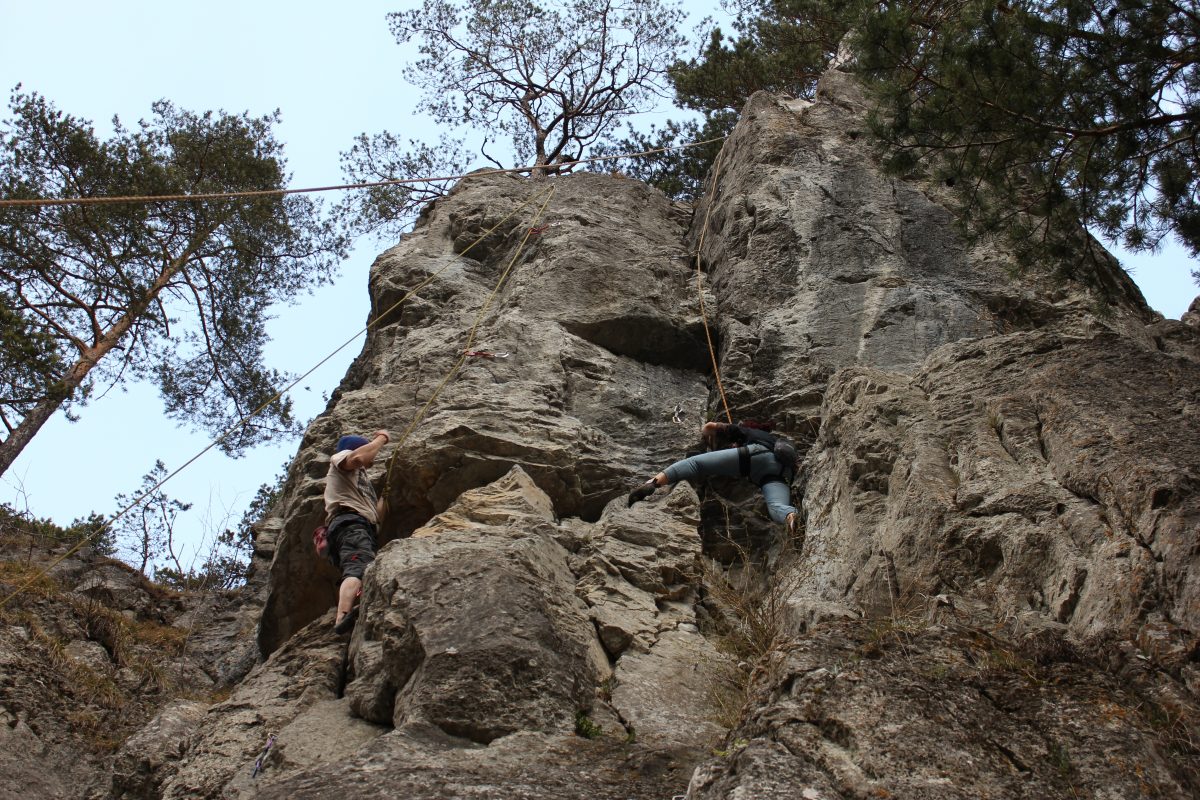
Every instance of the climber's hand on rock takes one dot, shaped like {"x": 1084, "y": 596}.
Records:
{"x": 642, "y": 492}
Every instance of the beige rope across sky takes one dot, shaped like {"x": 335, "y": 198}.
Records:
{"x": 90, "y": 201}
{"x": 108, "y": 523}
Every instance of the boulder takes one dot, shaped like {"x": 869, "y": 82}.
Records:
{"x": 472, "y": 625}
{"x": 271, "y": 705}
{"x": 150, "y": 756}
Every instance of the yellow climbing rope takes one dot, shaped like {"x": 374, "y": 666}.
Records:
{"x": 712, "y": 353}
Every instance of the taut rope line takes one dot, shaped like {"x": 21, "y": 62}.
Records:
{"x": 700, "y": 285}
{"x": 65, "y": 201}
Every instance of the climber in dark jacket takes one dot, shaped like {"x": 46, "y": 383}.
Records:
{"x": 352, "y": 514}
{"x": 733, "y": 453}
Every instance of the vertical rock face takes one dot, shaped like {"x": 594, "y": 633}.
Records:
{"x": 584, "y": 283}
{"x": 936, "y": 711}
{"x": 996, "y": 593}
{"x": 1034, "y": 467}
{"x": 819, "y": 261}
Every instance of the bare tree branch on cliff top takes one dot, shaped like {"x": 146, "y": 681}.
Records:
{"x": 553, "y": 77}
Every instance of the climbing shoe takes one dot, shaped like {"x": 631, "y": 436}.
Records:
{"x": 347, "y": 623}
{"x": 642, "y": 492}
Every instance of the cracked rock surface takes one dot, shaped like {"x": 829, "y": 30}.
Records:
{"x": 479, "y": 656}
{"x": 1042, "y": 472}
{"x": 924, "y": 709}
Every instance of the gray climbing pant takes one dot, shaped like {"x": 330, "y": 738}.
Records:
{"x": 763, "y": 464}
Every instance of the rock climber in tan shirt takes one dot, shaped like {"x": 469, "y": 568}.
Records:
{"x": 352, "y": 514}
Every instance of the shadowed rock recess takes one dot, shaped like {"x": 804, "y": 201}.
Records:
{"x": 995, "y": 594}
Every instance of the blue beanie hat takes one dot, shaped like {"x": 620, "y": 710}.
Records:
{"x": 350, "y": 443}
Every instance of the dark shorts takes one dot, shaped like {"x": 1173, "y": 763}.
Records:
{"x": 352, "y": 547}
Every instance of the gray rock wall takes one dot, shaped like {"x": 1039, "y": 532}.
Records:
{"x": 501, "y": 651}
{"x": 820, "y": 261}
{"x": 935, "y": 709}
{"x": 996, "y": 589}
{"x": 1030, "y": 469}
{"x": 603, "y": 341}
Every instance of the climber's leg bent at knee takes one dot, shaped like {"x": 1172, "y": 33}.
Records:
{"x": 779, "y": 501}
{"x": 730, "y": 463}
{"x": 718, "y": 462}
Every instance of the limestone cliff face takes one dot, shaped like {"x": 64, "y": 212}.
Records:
{"x": 996, "y": 593}
{"x": 604, "y": 341}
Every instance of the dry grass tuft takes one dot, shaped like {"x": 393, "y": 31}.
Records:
{"x": 15, "y": 575}
{"x": 753, "y": 619}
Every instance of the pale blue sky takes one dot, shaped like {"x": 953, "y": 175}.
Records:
{"x": 334, "y": 72}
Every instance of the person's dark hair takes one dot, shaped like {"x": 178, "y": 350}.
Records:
{"x": 725, "y": 435}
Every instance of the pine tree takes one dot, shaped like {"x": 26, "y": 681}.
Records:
{"x": 174, "y": 292}
{"x": 779, "y": 46}
{"x": 1043, "y": 115}
{"x": 1046, "y": 114}
{"x": 679, "y": 172}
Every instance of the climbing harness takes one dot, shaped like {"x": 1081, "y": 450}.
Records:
{"x": 782, "y": 450}
{"x": 258, "y": 765}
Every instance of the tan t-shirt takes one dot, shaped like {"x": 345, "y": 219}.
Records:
{"x": 348, "y": 491}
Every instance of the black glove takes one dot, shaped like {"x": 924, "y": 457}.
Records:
{"x": 642, "y": 492}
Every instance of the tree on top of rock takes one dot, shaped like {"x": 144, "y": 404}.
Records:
{"x": 778, "y": 46}
{"x": 552, "y": 78}
{"x": 174, "y": 292}
{"x": 147, "y": 530}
